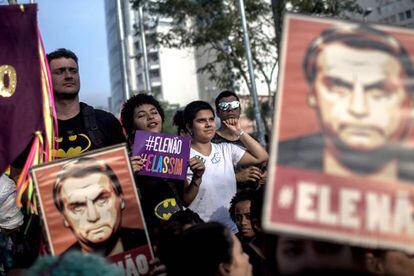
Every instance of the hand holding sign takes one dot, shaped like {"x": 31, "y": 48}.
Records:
{"x": 137, "y": 163}
{"x": 197, "y": 167}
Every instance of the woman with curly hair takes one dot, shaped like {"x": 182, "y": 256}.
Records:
{"x": 144, "y": 112}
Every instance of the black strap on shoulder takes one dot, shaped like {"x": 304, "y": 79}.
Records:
{"x": 92, "y": 129}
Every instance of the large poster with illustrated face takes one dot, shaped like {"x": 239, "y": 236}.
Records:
{"x": 342, "y": 150}
{"x": 90, "y": 203}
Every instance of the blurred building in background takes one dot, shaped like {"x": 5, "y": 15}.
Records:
{"x": 171, "y": 73}
{"x": 389, "y": 12}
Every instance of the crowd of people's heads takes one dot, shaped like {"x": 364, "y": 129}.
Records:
{"x": 187, "y": 245}
{"x": 205, "y": 249}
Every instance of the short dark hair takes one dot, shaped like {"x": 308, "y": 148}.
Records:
{"x": 224, "y": 94}
{"x": 200, "y": 250}
{"x": 186, "y": 216}
{"x": 191, "y": 110}
{"x": 256, "y": 206}
{"x": 360, "y": 37}
{"x": 79, "y": 168}
{"x": 243, "y": 195}
{"x": 127, "y": 112}
{"x": 61, "y": 53}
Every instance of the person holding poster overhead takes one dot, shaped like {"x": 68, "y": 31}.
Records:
{"x": 360, "y": 81}
{"x": 160, "y": 197}
{"x": 211, "y": 198}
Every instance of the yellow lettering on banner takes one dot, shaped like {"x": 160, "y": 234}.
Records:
{"x": 10, "y": 72}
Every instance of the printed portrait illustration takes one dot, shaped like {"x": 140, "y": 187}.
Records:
{"x": 350, "y": 111}
{"x": 342, "y": 146}
{"x": 89, "y": 203}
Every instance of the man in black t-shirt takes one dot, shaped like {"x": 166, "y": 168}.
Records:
{"x": 81, "y": 128}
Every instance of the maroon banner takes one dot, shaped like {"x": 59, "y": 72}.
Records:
{"x": 20, "y": 86}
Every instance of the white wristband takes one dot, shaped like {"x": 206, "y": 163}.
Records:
{"x": 240, "y": 134}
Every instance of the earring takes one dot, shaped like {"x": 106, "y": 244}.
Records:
{"x": 123, "y": 204}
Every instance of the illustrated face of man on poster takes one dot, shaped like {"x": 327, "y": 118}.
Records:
{"x": 92, "y": 209}
{"x": 89, "y": 196}
{"x": 358, "y": 88}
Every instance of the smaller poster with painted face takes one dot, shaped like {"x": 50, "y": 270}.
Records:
{"x": 90, "y": 203}
{"x": 166, "y": 155}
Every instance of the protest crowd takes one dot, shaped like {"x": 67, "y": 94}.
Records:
{"x": 209, "y": 223}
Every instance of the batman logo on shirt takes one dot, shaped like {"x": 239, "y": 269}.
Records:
{"x": 166, "y": 208}
{"x": 72, "y": 145}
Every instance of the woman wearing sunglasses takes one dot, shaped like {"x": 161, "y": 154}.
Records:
{"x": 211, "y": 198}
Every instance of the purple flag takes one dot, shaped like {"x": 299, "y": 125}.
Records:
{"x": 167, "y": 155}
{"x": 20, "y": 84}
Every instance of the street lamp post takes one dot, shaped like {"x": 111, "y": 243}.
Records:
{"x": 144, "y": 51}
{"x": 253, "y": 90}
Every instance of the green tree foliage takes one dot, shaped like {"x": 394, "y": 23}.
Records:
{"x": 214, "y": 28}
{"x": 169, "y": 112}
{"x": 326, "y": 8}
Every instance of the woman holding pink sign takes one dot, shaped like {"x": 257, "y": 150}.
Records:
{"x": 160, "y": 197}
{"x": 211, "y": 198}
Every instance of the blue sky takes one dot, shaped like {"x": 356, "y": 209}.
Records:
{"x": 79, "y": 25}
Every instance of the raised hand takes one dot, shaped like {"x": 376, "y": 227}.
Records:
{"x": 233, "y": 124}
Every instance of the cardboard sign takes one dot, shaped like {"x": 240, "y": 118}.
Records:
{"x": 167, "y": 155}
{"x": 342, "y": 152}
{"x": 90, "y": 203}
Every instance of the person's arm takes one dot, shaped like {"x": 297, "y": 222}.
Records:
{"x": 251, "y": 173}
{"x": 255, "y": 153}
{"x": 191, "y": 189}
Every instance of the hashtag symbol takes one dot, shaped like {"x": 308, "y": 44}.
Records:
{"x": 286, "y": 197}
{"x": 149, "y": 143}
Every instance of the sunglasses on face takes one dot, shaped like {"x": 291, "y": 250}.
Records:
{"x": 229, "y": 105}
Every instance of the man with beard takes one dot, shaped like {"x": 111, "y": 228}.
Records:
{"x": 360, "y": 83}
{"x": 81, "y": 127}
